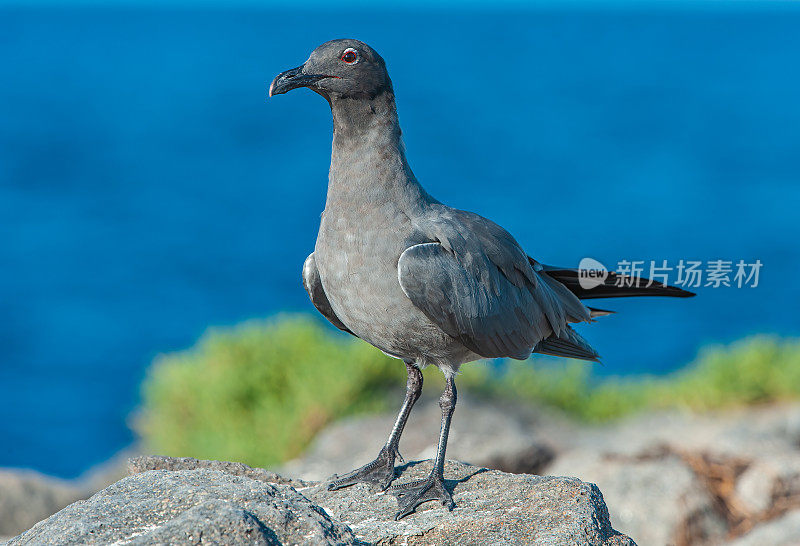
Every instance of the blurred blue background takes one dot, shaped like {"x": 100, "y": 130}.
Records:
{"x": 148, "y": 189}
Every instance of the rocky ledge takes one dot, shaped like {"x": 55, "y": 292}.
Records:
{"x": 187, "y": 501}
{"x": 729, "y": 477}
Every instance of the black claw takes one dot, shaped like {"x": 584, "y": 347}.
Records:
{"x": 401, "y": 515}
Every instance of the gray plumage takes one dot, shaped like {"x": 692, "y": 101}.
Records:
{"x": 419, "y": 280}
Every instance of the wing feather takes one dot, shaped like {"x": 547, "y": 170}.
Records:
{"x": 316, "y": 293}
{"x": 475, "y": 282}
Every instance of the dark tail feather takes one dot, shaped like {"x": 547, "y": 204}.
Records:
{"x": 567, "y": 344}
{"x": 609, "y": 288}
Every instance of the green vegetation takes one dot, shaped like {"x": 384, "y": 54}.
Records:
{"x": 258, "y": 393}
{"x": 751, "y": 371}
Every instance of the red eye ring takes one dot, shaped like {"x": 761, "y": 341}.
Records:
{"x": 350, "y": 55}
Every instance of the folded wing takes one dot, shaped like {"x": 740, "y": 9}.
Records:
{"x": 481, "y": 290}
{"x": 316, "y": 293}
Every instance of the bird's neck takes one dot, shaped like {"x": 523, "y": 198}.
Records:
{"x": 355, "y": 117}
{"x": 368, "y": 161}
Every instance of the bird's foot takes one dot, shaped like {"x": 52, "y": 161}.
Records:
{"x": 411, "y": 495}
{"x": 379, "y": 472}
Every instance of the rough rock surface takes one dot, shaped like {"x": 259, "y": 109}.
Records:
{"x": 492, "y": 508}
{"x": 191, "y": 502}
{"x": 508, "y": 438}
{"x": 668, "y": 478}
{"x": 189, "y": 507}
{"x": 657, "y": 499}
{"x": 138, "y": 465}
{"x": 704, "y": 479}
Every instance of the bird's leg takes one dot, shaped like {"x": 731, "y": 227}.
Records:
{"x": 413, "y": 392}
{"x": 411, "y": 495}
{"x": 381, "y": 470}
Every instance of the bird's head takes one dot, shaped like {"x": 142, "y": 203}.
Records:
{"x": 338, "y": 69}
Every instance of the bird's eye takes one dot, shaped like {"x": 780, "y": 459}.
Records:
{"x": 350, "y": 55}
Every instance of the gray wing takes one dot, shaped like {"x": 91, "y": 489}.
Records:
{"x": 477, "y": 284}
{"x": 316, "y": 292}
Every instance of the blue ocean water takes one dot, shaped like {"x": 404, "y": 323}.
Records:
{"x": 149, "y": 190}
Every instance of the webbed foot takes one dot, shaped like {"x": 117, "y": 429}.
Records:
{"x": 411, "y": 495}
{"x": 379, "y": 472}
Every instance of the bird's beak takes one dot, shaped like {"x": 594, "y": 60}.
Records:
{"x": 292, "y": 79}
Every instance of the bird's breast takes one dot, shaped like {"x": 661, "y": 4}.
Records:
{"x": 357, "y": 258}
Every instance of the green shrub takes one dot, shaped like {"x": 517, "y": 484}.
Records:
{"x": 751, "y": 371}
{"x": 259, "y": 393}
